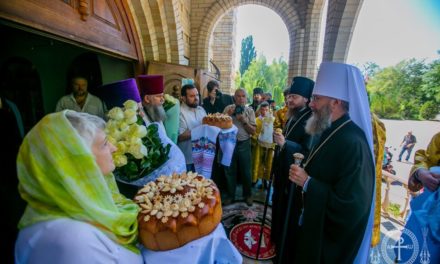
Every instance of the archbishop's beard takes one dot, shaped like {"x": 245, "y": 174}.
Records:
{"x": 155, "y": 112}
{"x": 319, "y": 121}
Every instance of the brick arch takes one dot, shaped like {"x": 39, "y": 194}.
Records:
{"x": 294, "y": 15}
{"x": 160, "y": 22}
{"x": 341, "y": 20}
{"x": 157, "y": 22}
{"x": 145, "y": 27}
{"x": 312, "y": 14}
{"x": 175, "y": 37}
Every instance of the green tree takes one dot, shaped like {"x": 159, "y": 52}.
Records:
{"x": 408, "y": 90}
{"x": 431, "y": 82}
{"x": 248, "y": 53}
{"x": 370, "y": 69}
{"x": 272, "y": 78}
{"x": 429, "y": 110}
{"x": 383, "y": 93}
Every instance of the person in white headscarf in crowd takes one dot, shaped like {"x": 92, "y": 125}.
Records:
{"x": 338, "y": 175}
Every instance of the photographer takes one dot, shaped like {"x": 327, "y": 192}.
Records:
{"x": 244, "y": 119}
{"x": 215, "y": 102}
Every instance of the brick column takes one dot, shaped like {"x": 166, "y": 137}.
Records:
{"x": 222, "y": 50}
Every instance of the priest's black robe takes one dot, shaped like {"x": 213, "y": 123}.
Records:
{"x": 297, "y": 140}
{"x": 338, "y": 197}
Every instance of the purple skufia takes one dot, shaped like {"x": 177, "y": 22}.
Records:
{"x": 115, "y": 94}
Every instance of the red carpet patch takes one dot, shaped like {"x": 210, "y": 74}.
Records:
{"x": 242, "y": 219}
{"x": 245, "y": 237}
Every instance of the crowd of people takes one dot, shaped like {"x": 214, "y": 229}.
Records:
{"x": 323, "y": 206}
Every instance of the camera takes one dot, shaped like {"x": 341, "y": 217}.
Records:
{"x": 218, "y": 94}
{"x": 239, "y": 109}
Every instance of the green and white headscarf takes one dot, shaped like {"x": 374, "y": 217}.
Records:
{"x": 59, "y": 178}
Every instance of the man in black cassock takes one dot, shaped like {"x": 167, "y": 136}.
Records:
{"x": 293, "y": 139}
{"x": 338, "y": 174}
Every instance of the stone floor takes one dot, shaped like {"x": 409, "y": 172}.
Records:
{"x": 388, "y": 225}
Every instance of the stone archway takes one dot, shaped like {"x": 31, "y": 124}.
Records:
{"x": 302, "y": 21}
{"x": 175, "y": 31}
{"x": 341, "y": 20}
{"x": 158, "y": 25}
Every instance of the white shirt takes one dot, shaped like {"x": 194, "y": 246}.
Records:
{"x": 93, "y": 105}
{"x": 69, "y": 241}
{"x": 189, "y": 119}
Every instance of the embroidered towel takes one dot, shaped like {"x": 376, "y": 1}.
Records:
{"x": 203, "y": 139}
{"x": 227, "y": 140}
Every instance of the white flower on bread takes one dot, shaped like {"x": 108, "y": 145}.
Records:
{"x": 159, "y": 215}
{"x": 171, "y": 196}
{"x": 139, "y": 198}
{"x": 196, "y": 199}
{"x": 191, "y": 209}
{"x": 157, "y": 199}
{"x": 168, "y": 199}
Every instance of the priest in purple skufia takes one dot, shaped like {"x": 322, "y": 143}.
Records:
{"x": 116, "y": 93}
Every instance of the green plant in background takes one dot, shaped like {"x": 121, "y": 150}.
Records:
{"x": 272, "y": 78}
{"x": 394, "y": 209}
{"x": 248, "y": 53}
{"x": 408, "y": 90}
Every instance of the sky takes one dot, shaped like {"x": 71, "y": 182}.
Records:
{"x": 387, "y": 32}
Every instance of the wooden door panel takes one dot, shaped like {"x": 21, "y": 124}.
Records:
{"x": 103, "y": 24}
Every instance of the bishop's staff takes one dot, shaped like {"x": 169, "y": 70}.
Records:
{"x": 298, "y": 158}
{"x": 266, "y": 204}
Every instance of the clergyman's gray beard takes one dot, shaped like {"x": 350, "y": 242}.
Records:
{"x": 156, "y": 113}
{"x": 319, "y": 121}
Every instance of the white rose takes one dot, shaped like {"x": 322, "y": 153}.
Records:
{"x": 123, "y": 126}
{"x": 136, "y": 150}
{"x": 112, "y": 140}
{"x": 130, "y": 104}
{"x": 114, "y": 133}
{"x": 116, "y": 113}
{"x": 130, "y": 116}
{"x": 170, "y": 98}
{"x": 121, "y": 146}
{"x": 119, "y": 159}
{"x": 138, "y": 131}
{"x": 134, "y": 140}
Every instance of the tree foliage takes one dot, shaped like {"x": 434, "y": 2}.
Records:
{"x": 408, "y": 90}
{"x": 272, "y": 78}
{"x": 248, "y": 53}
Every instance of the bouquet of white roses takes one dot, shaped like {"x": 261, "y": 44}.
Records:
{"x": 139, "y": 148}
